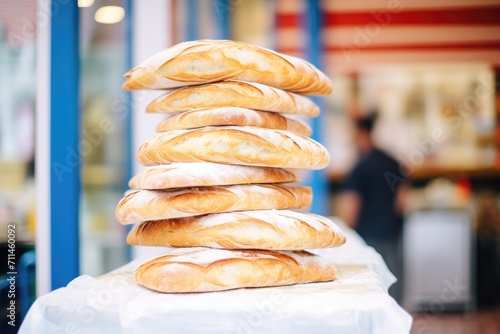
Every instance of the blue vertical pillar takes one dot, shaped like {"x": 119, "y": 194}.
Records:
{"x": 192, "y": 20}
{"x": 319, "y": 180}
{"x": 222, "y": 11}
{"x": 65, "y": 155}
{"x": 225, "y": 26}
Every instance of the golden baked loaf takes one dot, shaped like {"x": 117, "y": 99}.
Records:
{"x": 205, "y": 61}
{"x": 234, "y": 145}
{"x": 197, "y": 118}
{"x": 259, "y": 229}
{"x": 205, "y": 269}
{"x": 144, "y": 205}
{"x": 233, "y": 94}
{"x": 201, "y": 174}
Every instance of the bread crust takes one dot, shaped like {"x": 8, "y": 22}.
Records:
{"x": 204, "y": 270}
{"x": 144, "y": 205}
{"x": 233, "y": 94}
{"x": 202, "y": 174}
{"x": 259, "y": 229}
{"x": 234, "y": 145}
{"x": 203, "y": 61}
{"x": 197, "y": 118}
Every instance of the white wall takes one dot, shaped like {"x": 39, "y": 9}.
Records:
{"x": 42, "y": 157}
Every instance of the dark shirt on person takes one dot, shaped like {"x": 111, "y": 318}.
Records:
{"x": 377, "y": 218}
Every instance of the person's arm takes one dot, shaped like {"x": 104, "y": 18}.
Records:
{"x": 348, "y": 206}
{"x": 402, "y": 198}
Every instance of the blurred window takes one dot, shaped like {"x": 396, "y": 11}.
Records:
{"x": 102, "y": 134}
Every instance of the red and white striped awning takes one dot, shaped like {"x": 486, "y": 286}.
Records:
{"x": 365, "y": 33}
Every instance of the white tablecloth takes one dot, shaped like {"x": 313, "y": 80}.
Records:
{"x": 357, "y": 302}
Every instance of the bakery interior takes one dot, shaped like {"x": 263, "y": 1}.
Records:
{"x": 430, "y": 69}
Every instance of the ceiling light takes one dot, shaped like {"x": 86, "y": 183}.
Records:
{"x": 109, "y": 14}
{"x": 85, "y": 3}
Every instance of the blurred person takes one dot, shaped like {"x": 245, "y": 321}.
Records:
{"x": 371, "y": 200}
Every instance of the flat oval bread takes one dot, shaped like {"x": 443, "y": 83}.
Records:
{"x": 144, "y": 205}
{"x": 259, "y": 229}
{"x": 202, "y": 174}
{"x": 205, "y": 269}
{"x": 233, "y": 94}
{"x": 197, "y": 118}
{"x": 234, "y": 145}
{"x": 205, "y": 61}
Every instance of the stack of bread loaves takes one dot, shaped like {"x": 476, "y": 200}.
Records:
{"x": 217, "y": 168}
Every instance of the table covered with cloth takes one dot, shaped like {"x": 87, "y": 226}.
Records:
{"x": 356, "y": 302}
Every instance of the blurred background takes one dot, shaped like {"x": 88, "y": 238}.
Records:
{"x": 429, "y": 68}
